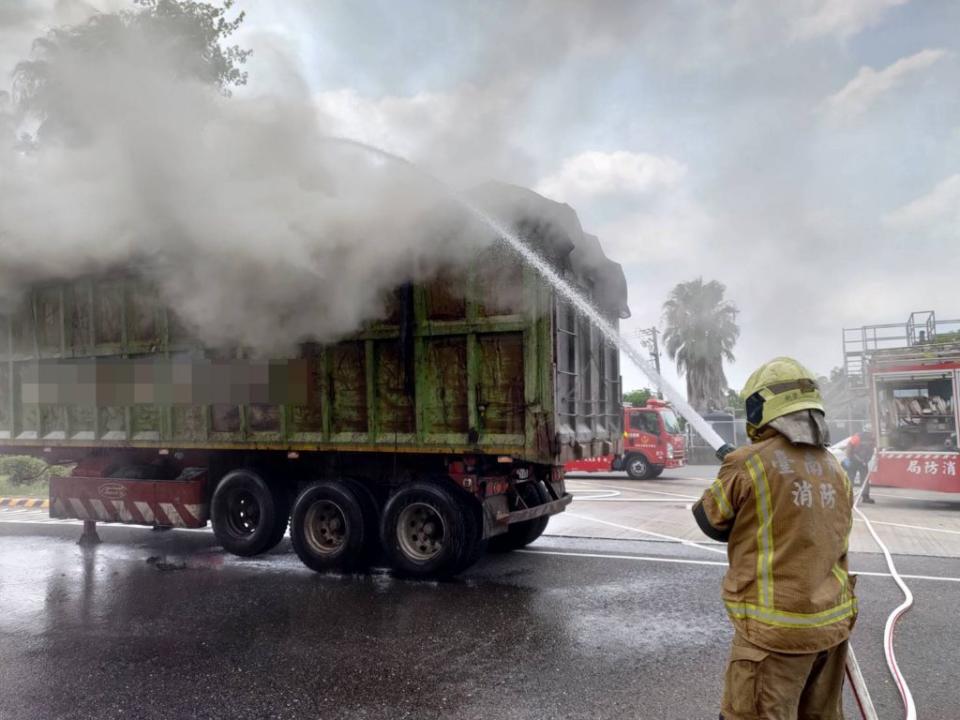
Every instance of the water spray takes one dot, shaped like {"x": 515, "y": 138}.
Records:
{"x": 722, "y": 449}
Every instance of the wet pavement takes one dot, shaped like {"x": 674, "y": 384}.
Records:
{"x": 165, "y": 625}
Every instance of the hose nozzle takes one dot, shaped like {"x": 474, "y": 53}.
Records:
{"x": 724, "y": 450}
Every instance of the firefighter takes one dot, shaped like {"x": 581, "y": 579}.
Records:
{"x": 783, "y": 505}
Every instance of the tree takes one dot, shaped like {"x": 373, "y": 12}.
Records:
{"x": 638, "y": 397}
{"x": 185, "y": 35}
{"x": 701, "y": 330}
{"x": 735, "y": 402}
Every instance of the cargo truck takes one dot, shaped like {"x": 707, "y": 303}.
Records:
{"x": 430, "y": 435}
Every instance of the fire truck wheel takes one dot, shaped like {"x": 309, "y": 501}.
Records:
{"x": 245, "y": 513}
{"x": 637, "y": 467}
{"x": 328, "y": 529}
{"x": 521, "y": 534}
{"x": 425, "y": 531}
{"x": 656, "y": 471}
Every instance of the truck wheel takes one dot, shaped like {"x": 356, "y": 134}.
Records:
{"x": 656, "y": 471}
{"x": 637, "y": 467}
{"x": 425, "y": 531}
{"x": 521, "y": 534}
{"x": 246, "y": 515}
{"x": 475, "y": 545}
{"x": 281, "y": 499}
{"x": 371, "y": 517}
{"x": 328, "y": 529}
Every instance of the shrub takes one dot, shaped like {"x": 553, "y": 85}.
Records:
{"x": 24, "y": 470}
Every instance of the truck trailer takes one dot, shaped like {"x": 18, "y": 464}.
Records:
{"x": 433, "y": 433}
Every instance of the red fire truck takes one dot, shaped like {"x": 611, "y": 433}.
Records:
{"x": 912, "y": 378}
{"x": 652, "y": 442}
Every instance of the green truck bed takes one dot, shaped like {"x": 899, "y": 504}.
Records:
{"x": 484, "y": 360}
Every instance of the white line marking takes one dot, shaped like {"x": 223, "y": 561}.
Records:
{"x": 691, "y": 543}
{"x": 914, "y": 527}
{"x": 681, "y": 561}
{"x": 685, "y": 561}
{"x": 675, "y": 501}
{"x": 643, "y": 490}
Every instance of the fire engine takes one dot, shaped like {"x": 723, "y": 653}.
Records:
{"x": 911, "y": 373}
{"x": 652, "y": 442}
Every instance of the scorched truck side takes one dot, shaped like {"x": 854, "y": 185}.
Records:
{"x": 426, "y": 437}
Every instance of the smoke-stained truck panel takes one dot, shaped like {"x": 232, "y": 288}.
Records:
{"x": 430, "y": 432}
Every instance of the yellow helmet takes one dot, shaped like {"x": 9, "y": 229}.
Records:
{"x": 777, "y": 388}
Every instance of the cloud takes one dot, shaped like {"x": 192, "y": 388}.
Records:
{"x": 839, "y": 18}
{"x": 937, "y": 213}
{"x": 858, "y": 95}
{"x": 592, "y": 174}
{"x": 467, "y": 134}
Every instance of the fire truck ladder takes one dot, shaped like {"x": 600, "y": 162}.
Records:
{"x": 921, "y": 328}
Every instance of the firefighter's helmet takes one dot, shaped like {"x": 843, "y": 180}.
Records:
{"x": 777, "y": 388}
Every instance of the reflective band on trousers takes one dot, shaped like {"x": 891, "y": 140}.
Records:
{"x": 764, "y": 530}
{"x": 721, "y": 497}
{"x": 779, "y": 618}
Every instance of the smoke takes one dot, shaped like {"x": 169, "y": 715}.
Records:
{"x": 256, "y": 229}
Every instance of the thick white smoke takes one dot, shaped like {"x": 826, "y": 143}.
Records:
{"x": 257, "y": 230}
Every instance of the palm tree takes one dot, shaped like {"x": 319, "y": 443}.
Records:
{"x": 700, "y": 335}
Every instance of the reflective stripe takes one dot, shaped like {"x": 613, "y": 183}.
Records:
{"x": 721, "y": 497}
{"x": 779, "y": 618}
{"x": 841, "y": 576}
{"x": 764, "y": 531}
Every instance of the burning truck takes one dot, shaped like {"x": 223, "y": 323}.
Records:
{"x": 426, "y": 437}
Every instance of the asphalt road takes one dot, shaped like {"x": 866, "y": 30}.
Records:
{"x": 165, "y": 625}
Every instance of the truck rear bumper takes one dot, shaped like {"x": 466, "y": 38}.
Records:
{"x": 551, "y": 508}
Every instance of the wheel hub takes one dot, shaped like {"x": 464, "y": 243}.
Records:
{"x": 325, "y": 527}
{"x": 421, "y": 531}
{"x": 243, "y": 512}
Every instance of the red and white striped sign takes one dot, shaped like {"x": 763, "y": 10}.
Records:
{"x": 168, "y": 503}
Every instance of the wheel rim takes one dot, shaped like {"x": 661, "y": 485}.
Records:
{"x": 421, "y": 531}
{"x": 638, "y": 466}
{"x": 325, "y": 528}
{"x": 243, "y": 512}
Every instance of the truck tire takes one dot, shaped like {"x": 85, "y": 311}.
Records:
{"x": 656, "y": 471}
{"x": 637, "y": 467}
{"x": 475, "y": 545}
{"x": 329, "y": 529}
{"x": 425, "y": 531}
{"x": 247, "y": 517}
{"x": 521, "y": 534}
{"x": 371, "y": 507}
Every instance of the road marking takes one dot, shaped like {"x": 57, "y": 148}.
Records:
{"x": 686, "y": 561}
{"x": 912, "y": 527}
{"x": 690, "y": 543}
{"x": 594, "y": 494}
{"x": 643, "y": 490}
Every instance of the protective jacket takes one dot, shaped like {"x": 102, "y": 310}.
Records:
{"x": 785, "y": 511}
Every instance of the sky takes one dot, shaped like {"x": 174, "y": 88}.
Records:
{"x": 806, "y": 154}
